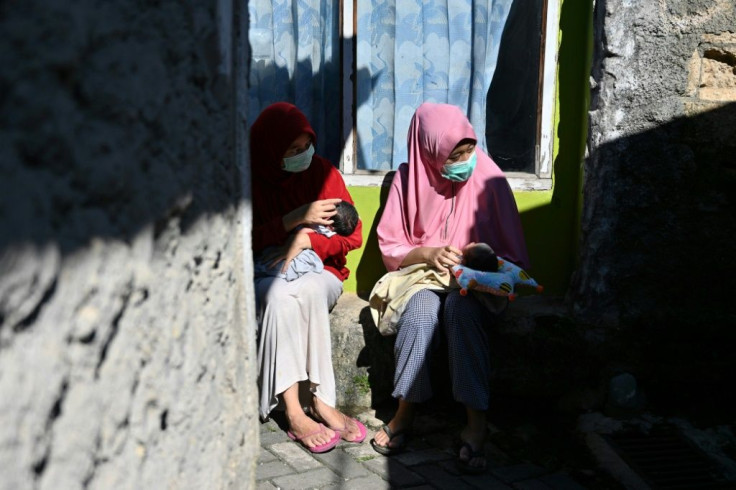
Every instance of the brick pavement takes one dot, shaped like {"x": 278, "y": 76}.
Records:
{"x": 427, "y": 463}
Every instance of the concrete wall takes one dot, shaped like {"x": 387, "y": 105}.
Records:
{"x": 658, "y": 216}
{"x": 126, "y": 360}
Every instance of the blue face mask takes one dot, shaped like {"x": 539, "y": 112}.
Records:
{"x": 459, "y": 171}
{"x": 300, "y": 162}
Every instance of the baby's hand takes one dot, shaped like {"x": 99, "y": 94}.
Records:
{"x": 299, "y": 242}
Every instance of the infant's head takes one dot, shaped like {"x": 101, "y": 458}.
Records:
{"x": 346, "y": 219}
{"x": 481, "y": 257}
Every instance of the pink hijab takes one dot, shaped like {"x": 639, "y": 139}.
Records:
{"x": 425, "y": 209}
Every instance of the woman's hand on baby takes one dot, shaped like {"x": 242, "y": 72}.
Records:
{"x": 320, "y": 212}
{"x": 443, "y": 258}
{"x": 313, "y": 213}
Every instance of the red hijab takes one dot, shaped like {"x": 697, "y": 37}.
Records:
{"x": 276, "y": 191}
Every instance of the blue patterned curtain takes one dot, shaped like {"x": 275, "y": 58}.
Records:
{"x": 414, "y": 51}
{"x": 295, "y": 58}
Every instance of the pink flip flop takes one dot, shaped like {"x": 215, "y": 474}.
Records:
{"x": 344, "y": 430}
{"x": 322, "y": 448}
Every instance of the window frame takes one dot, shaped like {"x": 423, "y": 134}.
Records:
{"x": 540, "y": 180}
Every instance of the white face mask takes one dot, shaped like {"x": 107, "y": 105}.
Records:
{"x": 300, "y": 162}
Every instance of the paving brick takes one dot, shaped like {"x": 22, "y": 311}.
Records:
{"x": 440, "y": 439}
{"x": 440, "y": 477}
{"x": 369, "y": 482}
{"x": 272, "y": 469}
{"x": 449, "y": 466}
{"x": 394, "y": 472}
{"x": 342, "y": 463}
{"x": 517, "y": 472}
{"x": 414, "y": 443}
{"x": 270, "y": 426}
{"x": 411, "y": 458}
{"x": 428, "y": 462}
{"x": 532, "y": 484}
{"x": 362, "y": 451}
{"x": 266, "y": 456}
{"x": 486, "y": 481}
{"x": 431, "y": 423}
{"x": 265, "y": 485}
{"x": 560, "y": 481}
{"x": 495, "y": 456}
{"x": 310, "y": 479}
{"x": 295, "y": 455}
{"x": 269, "y": 438}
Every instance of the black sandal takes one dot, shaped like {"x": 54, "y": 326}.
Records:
{"x": 387, "y": 450}
{"x": 464, "y": 464}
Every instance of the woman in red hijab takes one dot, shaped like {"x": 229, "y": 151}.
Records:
{"x": 293, "y": 187}
{"x": 449, "y": 195}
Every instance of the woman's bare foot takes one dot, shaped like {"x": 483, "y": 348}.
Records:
{"x": 307, "y": 431}
{"x": 473, "y": 437}
{"x": 302, "y": 427}
{"x": 350, "y": 431}
{"x": 399, "y": 424}
{"x": 476, "y": 442}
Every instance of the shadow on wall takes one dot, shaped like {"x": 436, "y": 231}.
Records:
{"x": 115, "y": 133}
{"x": 659, "y": 224}
{"x": 90, "y": 156}
{"x": 657, "y": 270}
{"x": 371, "y": 268}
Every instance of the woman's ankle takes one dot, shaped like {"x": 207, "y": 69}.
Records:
{"x": 296, "y": 416}
{"x": 326, "y": 413}
{"x": 404, "y": 416}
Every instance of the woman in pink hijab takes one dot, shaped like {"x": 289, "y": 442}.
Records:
{"x": 449, "y": 195}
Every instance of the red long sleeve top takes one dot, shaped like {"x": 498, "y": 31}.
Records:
{"x": 320, "y": 181}
{"x": 277, "y": 192}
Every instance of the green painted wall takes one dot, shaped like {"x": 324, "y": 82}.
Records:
{"x": 550, "y": 218}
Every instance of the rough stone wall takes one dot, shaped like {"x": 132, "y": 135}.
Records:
{"x": 659, "y": 216}
{"x": 125, "y": 360}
